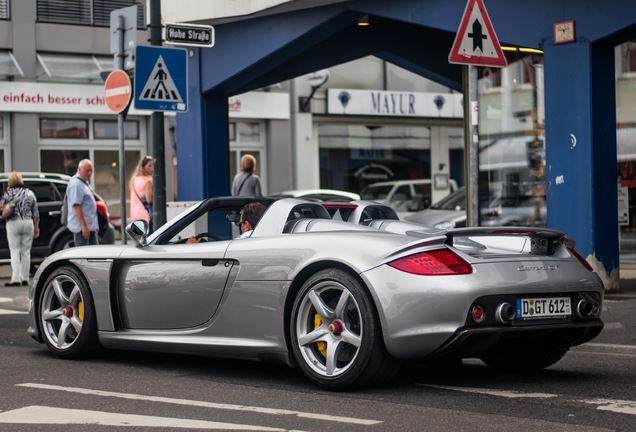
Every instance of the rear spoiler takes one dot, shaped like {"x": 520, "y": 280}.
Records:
{"x": 542, "y": 240}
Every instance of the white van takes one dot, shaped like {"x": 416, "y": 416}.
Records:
{"x": 402, "y": 195}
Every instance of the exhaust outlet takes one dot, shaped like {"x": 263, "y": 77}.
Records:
{"x": 505, "y": 313}
{"x": 584, "y": 308}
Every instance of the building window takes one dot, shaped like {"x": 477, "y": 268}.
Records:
{"x": 107, "y": 129}
{"x": 63, "y": 128}
{"x": 85, "y": 12}
{"x": 4, "y": 9}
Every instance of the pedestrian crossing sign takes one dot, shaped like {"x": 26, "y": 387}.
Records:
{"x": 161, "y": 79}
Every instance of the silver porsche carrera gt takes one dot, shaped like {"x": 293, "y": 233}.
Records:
{"x": 344, "y": 291}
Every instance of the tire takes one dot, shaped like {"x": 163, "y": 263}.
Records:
{"x": 65, "y": 242}
{"x": 66, "y": 314}
{"x": 527, "y": 361}
{"x": 336, "y": 335}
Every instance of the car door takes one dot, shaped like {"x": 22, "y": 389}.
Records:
{"x": 49, "y": 204}
{"x": 173, "y": 285}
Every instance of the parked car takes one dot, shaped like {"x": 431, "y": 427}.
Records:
{"x": 515, "y": 211}
{"x": 49, "y": 189}
{"x": 319, "y": 194}
{"x": 447, "y": 213}
{"x": 450, "y": 212}
{"x": 402, "y": 195}
{"x": 345, "y": 301}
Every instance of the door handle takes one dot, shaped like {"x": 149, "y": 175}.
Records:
{"x": 209, "y": 262}
{"x": 55, "y": 213}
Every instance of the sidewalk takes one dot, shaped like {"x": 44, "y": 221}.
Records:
{"x": 619, "y": 311}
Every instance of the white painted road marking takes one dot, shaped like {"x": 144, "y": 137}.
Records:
{"x": 273, "y": 411}
{"x": 48, "y": 415}
{"x": 494, "y": 392}
{"x": 615, "y": 405}
{"x": 11, "y": 312}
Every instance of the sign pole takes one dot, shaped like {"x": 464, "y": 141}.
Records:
{"x": 120, "y": 127}
{"x": 158, "y": 145}
{"x": 472, "y": 209}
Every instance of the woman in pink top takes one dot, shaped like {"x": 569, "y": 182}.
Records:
{"x": 141, "y": 191}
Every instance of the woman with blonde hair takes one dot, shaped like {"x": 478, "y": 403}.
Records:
{"x": 246, "y": 183}
{"x": 23, "y": 225}
{"x": 141, "y": 191}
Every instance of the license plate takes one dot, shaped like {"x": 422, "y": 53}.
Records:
{"x": 546, "y": 307}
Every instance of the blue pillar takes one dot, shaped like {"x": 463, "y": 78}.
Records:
{"x": 202, "y": 141}
{"x": 581, "y": 151}
{"x": 189, "y": 137}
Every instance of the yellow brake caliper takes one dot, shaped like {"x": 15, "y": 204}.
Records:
{"x": 322, "y": 346}
{"x": 80, "y": 313}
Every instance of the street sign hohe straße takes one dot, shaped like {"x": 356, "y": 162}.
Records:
{"x": 189, "y": 34}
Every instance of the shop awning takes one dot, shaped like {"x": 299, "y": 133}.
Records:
{"x": 72, "y": 68}
{"x": 9, "y": 67}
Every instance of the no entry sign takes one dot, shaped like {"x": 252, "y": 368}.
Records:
{"x": 117, "y": 91}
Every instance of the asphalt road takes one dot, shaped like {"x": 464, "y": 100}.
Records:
{"x": 592, "y": 389}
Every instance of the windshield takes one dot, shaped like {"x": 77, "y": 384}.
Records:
{"x": 376, "y": 192}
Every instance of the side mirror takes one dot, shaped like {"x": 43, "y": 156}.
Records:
{"x": 137, "y": 231}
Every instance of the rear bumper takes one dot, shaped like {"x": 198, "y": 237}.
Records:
{"x": 476, "y": 342}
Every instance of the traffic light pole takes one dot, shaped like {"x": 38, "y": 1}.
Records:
{"x": 157, "y": 127}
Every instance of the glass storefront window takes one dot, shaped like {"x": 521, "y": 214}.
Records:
{"x": 108, "y": 129}
{"x": 249, "y": 132}
{"x": 512, "y": 146}
{"x": 62, "y": 161}
{"x": 64, "y": 128}
{"x": 105, "y": 180}
{"x": 354, "y": 156}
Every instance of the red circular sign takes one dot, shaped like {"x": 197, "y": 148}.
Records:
{"x": 117, "y": 90}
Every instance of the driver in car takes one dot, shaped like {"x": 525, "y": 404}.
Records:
{"x": 249, "y": 217}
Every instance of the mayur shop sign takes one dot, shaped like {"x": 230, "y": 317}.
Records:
{"x": 388, "y": 103}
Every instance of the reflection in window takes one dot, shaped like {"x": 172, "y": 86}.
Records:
{"x": 63, "y": 128}
{"x": 108, "y": 129}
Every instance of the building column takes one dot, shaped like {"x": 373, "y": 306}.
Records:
{"x": 202, "y": 142}
{"x": 580, "y": 132}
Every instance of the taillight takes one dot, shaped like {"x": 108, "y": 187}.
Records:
{"x": 102, "y": 209}
{"x": 581, "y": 259}
{"x": 433, "y": 263}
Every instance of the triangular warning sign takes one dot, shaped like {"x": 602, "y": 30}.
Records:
{"x": 476, "y": 42}
{"x": 160, "y": 86}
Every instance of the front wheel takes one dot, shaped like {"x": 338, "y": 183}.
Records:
{"x": 66, "y": 314}
{"x": 336, "y": 333}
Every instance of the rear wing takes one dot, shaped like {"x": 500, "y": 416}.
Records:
{"x": 542, "y": 240}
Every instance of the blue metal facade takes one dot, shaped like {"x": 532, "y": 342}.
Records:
{"x": 417, "y": 35}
